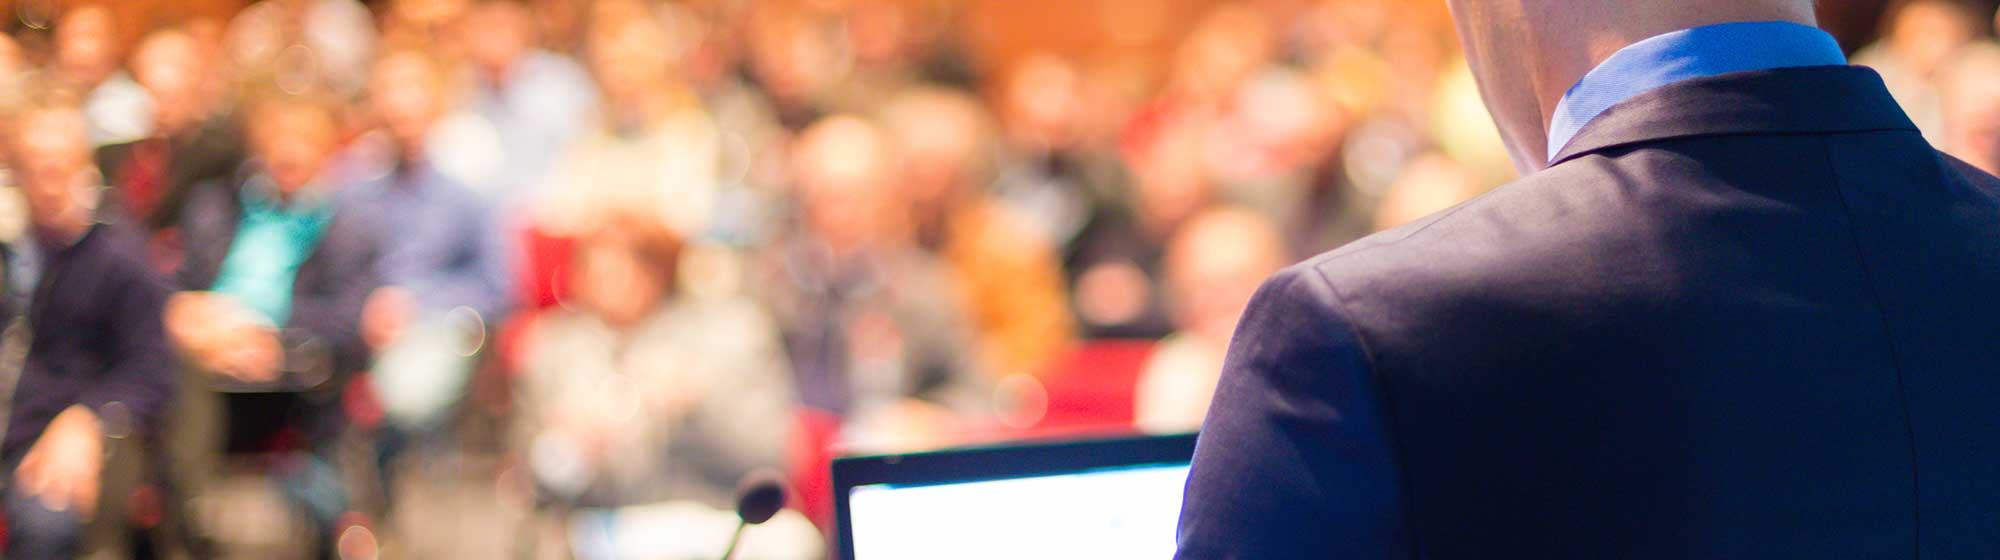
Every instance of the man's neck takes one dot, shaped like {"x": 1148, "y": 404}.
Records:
{"x": 1568, "y": 54}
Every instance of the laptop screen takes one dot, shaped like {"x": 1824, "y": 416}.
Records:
{"x": 1113, "y": 512}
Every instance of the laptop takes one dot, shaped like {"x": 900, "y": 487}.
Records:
{"x": 1101, "y": 498}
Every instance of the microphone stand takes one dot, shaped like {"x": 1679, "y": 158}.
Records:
{"x": 734, "y": 538}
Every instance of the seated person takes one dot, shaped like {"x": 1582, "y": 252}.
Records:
{"x": 274, "y": 282}
{"x": 1214, "y": 264}
{"x": 147, "y": 179}
{"x": 639, "y": 392}
{"x": 270, "y": 264}
{"x": 98, "y": 364}
{"x": 446, "y": 276}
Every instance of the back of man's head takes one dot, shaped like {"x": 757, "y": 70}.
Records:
{"x": 1527, "y": 53}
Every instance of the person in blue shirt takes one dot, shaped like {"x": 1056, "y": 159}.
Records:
{"x": 444, "y": 259}
{"x": 1738, "y": 307}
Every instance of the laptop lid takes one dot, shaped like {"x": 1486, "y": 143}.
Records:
{"x": 1103, "y": 498}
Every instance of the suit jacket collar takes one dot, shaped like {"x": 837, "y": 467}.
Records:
{"x": 1809, "y": 100}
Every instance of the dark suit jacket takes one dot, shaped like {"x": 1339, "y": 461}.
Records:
{"x": 1748, "y": 316}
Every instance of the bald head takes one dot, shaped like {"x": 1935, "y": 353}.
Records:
{"x": 169, "y": 64}
{"x": 49, "y": 150}
{"x": 843, "y": 167}
{"x": 1527, "y": 53}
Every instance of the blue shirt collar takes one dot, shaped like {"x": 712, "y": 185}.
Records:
{"x": 1685, "y": 55}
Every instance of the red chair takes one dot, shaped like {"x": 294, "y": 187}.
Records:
{"x": 1092, "y": 389}
{"x": 813, "y": 443}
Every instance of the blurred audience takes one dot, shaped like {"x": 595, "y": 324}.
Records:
{"x": 86, "y": 53}
{"x": 1969, "y": 99}
{"x": 305, "y": 43}
{"x": 1214, "y": 265}
{"x": 642, "y": 391}
{"x": 1008, "y": 274}
{"x": 275, "y": 278}
{"x": 873, "y": 324}
{"x": 1430, "y": 184}
{"x": 447, "y": 274}
{"x": 97, "y": 362}
{"x": 189, "y": 140}
{"x": 1918, "y": 38}
{"x": 653, "y": 146}
{"x": 588, "y": 255}
{"x": 535, "y": 100}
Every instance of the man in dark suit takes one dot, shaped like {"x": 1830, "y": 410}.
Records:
{"x": 1740, "y": 310}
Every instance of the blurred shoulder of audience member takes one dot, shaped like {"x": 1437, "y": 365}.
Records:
{"x": 270, "y": 265}
{"x": 1918, "y": 37}
{"x": 1214, "y": 266}
{"x": 99, "y": 365}
{"x": 148, "y": 178}
{"x": 1428, "y": 185}
{"x": 642, "y": 392}
{"x": 86, "y": 54}
{"x": 1970, "y": 91}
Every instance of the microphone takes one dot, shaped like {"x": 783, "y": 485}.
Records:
{"x": 758, "y": 497}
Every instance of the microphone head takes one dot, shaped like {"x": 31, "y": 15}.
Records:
{"x": 759, "y": 496}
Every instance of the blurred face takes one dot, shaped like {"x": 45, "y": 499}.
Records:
{"x": 1493, "y": 33}
{"x": 1228, "y": 45}
{"x": 841, "y": 166}
{"x": 294, "y": 140}
{"x": 614, "y": 283}
{"x": 1171, "y": 179}
{"x": 170, "y": 67}
{"x": 1928, "y": 31}
{"x": 940, "y": 138}
{"x": 1042, "y": 99}
{"x": 497, "y": 34}
{"x": 84, "y": 44}
{"x": 1217, "y": 263}
{"x": 1972, "y": 115}
{"x": 407, "y": 94}
{"x": 628, "y": 56}
{"x": 792, "y": 57}
{"x": 51, "y": 156}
